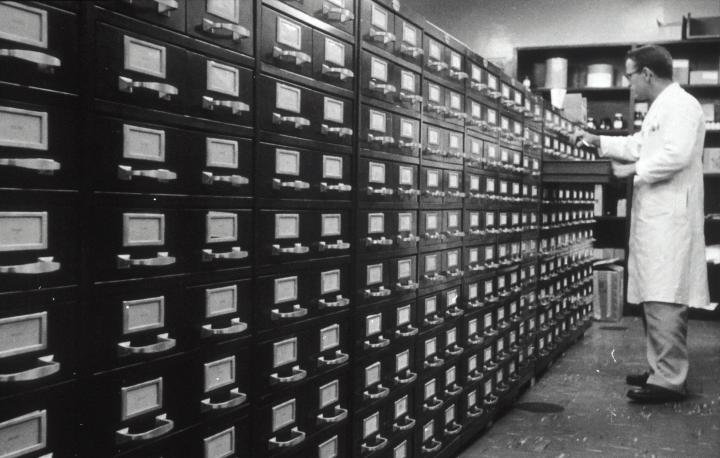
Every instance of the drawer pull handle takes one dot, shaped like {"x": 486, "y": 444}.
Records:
{"x": 295, "y": 249}
{"x": 450, "y": 392}
{"x": 237, "y": 398}
{"x": 412, "y": 98}
{"x": 273, "y": 443}
{"x": 437, "y": 108}
{"x": 458, "y": 75}
{"x": 236, "y": 107}
{"x": 126, "y": 173}
{"x": 380, "y": 292}
{"x": 235, "y": 253}
{"x": 296, "y": 121}
{"x": 476, "y": 231}
{"x": 162, "y": 259}
{"x": 46, "y": 368}
{"x": 234, "y": 180}
{"x": 409, "y": 145}
{"x": 457, "y": 114}
{"x": 338, "y": 303}
{"x": 453, "y": 430}
{"x": 437, "y": 193}
{"x": 164, "y": 7}
{"x": 434, "y": 277}
{"x": 455, "y": 233}
{"x": 381, "y": 343}
{"x": 164, "y": 91}
{"x": 381, "y": 393}
{"x": 42, "y": 266}
{"x": 382, "y": 442}
{"x": 236, "y": 327}
{"x": 432, "y": 236}
{"x": 238, "y": 32}
{"x": 475, "y": 412}
{"x": 340, "y": 187}
{"x": 491, "y": 400}
{"x": 384, "y": 140}
{"x": 298, "y": 374}
{"x": 297, "y": 57}
{"x": 385, "y": 88}
{"x": 412, "y": 51}
{"x": 164, "y": 343}
{"x": 478, "y": 86}
{"x": 380, "y": 191}
{"x": 338, "y": 245}
{"x": 411, "y": 377}
{"x": 340, "y": 358}
{"x": 477, "y": 340}
{"x": 297, "y": 185}
{"x": 433, "y": 322}
{"x": 409, "y": 286}
{"x": 339, "y": 131}
{"x": 341, "y": 73}
{"x": 474, "y": 376}
{"x": 41, "y": 165}
{"x": 435, "y": 362}
{"x": 381, "y": 36}
{"x": 45, "y": 62}
{"x": 409, "y": 192}
{"x": 341, "y": 414}
{"x": 457, "y": 154}
{"x": 382, "y": 241}
{"x": 298, "y": 312}
{"x": 429, "y": 405}
{"x": 165, "y": 425}
{"x": 455, "y": 312}
{"x": 410, "y": 238}
{"x": 454, "y": 273}
{"x": 335, "y": 13}
{"x": 433, "y": 448}
{"x": 408, "y": 425}
{"x": 437, "y": 65}
{"x": 475, "y": 267}
{"x": 411, "y": 331}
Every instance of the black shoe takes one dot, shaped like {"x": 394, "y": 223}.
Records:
{"x": 650, "y": 394}
{"x": 637, "y": 379}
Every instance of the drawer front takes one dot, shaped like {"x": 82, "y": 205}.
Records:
{"x": 138, "y": 70}
{"x": 387, "y": 181}
{"x": 431, "y": 311}
{"x": 377, "y": 26}
{"x": 165, "y": 14}
{"x": 389, "y": 132}
{"x": 333, "y": 443}
{"x": 430, "y": 228}
{"x": 219, "y": 90}
{"x": 225, "y": 23}
{"x": 337, "y": 13}
{"x": 329, "y": 399}
{"x": 387, "y": 279}
{"x": 40, "y": 46}
{"x": 400, "y": 416}
{"x": 333, "y": 60}
{"x": 375, "y": 379}
{"x": 380, "y": 327}
{"x": 286, "y": 43}
{"x": 409, "y": 43}
{"x": 229, "y": 437}
{"x": 218, "y": 165}
{"x": 285, "y": 299}
{"x": 443, "y": 145}
{"x": 432, "y": 185}
{"x": 386, "y": 80}
{"x": 288, "y": 172}
{"x": 370, "y": 433}
{"x": 218, "y": 311}
{"x": 38, "y": 240}
{"x": 38, "y": 146}
{"x": 303, "y": 234}
{"x": 454, "y": 189}
{"x": 480, "y": 258}
{"x": 302, "y": 112}
{"x": 379, "y": 231}
{"x": 218, "y": 238}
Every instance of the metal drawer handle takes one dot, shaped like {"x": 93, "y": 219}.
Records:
{"x": 454, "y": 312}
{"x": 341, "y": 414}
{"x": 454, "y": 273}
{"x": 295, "y": 249}
{"x": 296, "y": 121}
{"x": 412, "y": 51}
{"x": 432, "y": 236}
{"x": 411, "y": 377}
{"x": 297, "y": 185}
{"x": 381, "y": 191}
{"x": 380, "y": 292}
{"x": 478, "y": 86}
{"x": 237, "y": 398}
{"x": 338, "y": 245}
{"x": 380, "y": 394}
{"x": 412, "y": 98}
{"x": 382, "y": 442}
{"x": 45, "y": 62}
{"x": 491, "y": 400}
{"x": 437, "y": 151}
{"x": 235, "y": 253}
{"x": 385, "y": 88}
{"x": 381, "y": 36}
{"x": 437, "y": 65}
{"x": 298, "y": 374}
{"x": 438, "y": 320}
{"x": 341, "y": 73}
{"x": 298, "y": 312}
{"x": 297, "y": 57}
{"x": 162, "y": 259}
{"x": 165, "y": 425}
{"x": 338, "y": 303}
{"x": 411, "y": 331}
{"x": 238, "y": 32}
{"x": 234, "y": 180}
{"x": 42, "y": 266}
{"x": 410, "y": 238}
{"x": 126, "y": 173}
{"x": 409, "y": 424}
{"x": 340, "y": 131}
{"x": 410, "y": 145}
{"x": 435, "y": 362}
{"x": 164, "y": 343}
{"x": 452, "y": 431}
{"x": 335, "y": 13}
{"x": 475, "y": 267}
{"x": 409, "y": 192}
{"x": 236, "y": 107}
{"x": 434, "y": 277}
{"x": 432, "y": 406}
{"x": 458, "y": 75}
{"x": 164, "y": 91}
{"x": 475, "y": 412}
{"x": 477, "y": 340}
{"x": 46, "y": 368}
{"x": 457, "y": 114}
{"x": 164, "y": 7}
{"x": 437, "y": 108}
{"x": 382, "y": 241}
{"x": 385, "y": 140}
{"x": 299, "y": 437}
{"x": 381, "y": 343}
{"x": 236, "y": 327}
{"x": 434, "y": 448}
{"x": 457, "y": 232}
{"x": 474, "y": 378}
{"x": 459, "y": 155}
{"x": 41, "y": 165}
{"x": 409, "y": 286}
{"x": 340, "y": 187}
{"x": 340, "y": 358}
{"x": 457, "y": 390}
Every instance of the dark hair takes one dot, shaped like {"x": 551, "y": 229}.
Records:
{"x": 654, "y": 57}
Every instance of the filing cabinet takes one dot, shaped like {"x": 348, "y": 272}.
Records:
{"x": 339, "y": 14}
{"x": 387, "y": 80}
{"x": 382, "y": 232}
{"x": 389, "y": 132}
{"x": 385, "y": 181}
{"x": 387, "y": 279}
{"x": 225, "y": 23}
{"x": 170, "y": 14}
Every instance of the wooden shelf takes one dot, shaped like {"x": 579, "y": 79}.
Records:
{"x": 576, "y": 172}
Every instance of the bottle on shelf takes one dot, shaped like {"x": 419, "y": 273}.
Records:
{"x": 618, "y": 121}
{"x": 638, "y": 120}
{"x": 591, "y": 123}
{"x": 605, "y": 124}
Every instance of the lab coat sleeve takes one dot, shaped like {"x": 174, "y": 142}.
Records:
{"x": 678, "y": 133}
{"x": 625, "y": 149}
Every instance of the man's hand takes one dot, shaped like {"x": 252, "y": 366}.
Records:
{"x": 623, "y": 170}
{"x": 581, "y": 138}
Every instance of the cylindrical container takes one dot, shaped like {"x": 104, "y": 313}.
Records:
{"x": 556, "y": 72}
{"x": 600, "y": 75}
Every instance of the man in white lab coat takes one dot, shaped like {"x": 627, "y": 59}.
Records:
{"x": 666, "y": 262}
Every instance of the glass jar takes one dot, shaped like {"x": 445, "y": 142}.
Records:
{"x": 618, "y": 121}
{"x": 591, "y": 123}
{"x": 638, "y": 119}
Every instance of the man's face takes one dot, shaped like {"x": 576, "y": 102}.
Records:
{"x": 638, "y": 83}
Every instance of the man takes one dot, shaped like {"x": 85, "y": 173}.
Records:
{"x": 666, "y": 263}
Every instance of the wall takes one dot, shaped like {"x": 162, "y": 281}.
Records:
{"x": 494, "y": 28}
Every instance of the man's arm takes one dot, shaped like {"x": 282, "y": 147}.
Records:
{"x": 624, "y": 149}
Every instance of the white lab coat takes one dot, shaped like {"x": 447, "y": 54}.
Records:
{"x": 666, "y": 262}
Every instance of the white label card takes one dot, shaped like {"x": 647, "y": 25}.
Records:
{"x": 220, "y": 445}
{"x": 404, "y": 268}
{"x": 143, "y": 314}
{"x": 329, "y": 394}
{"x": 378, "y": 121}
{"x": 475, "y": 73}
{"x": 407, "y": 175}
{"x": 330, "y": 281}
{"x": 376, "y": 172}
{"x": 373, "y": 324}
{"x": 141, "y": 398}
{"x": 329, "y": 337}
{"x": 142, "y": 143}
{"x": 379, "y": 17}
{"x": 286, "y": 289}
{"x": 331, "y": 225}
{"x": 432, "y": 221}
{"x": 222, "y": 78}
{"x": 374, "y": 274}
{"x": 287, "y": 226}
{"x": 409, "y": 34}
{"x": 455, "y": 141}
{"x": 371, "y": 424}
{"x": 221, "y": 227}
{"x": 333, "y": 167}
{"x": 287, "y": 97}
{"x": 429, "y": 389}
{"x": 402, "y": 361}
{"x": 453, "y": 219}
{"x": 23, "y": 24}
{"x": 401, "y": 406}
{"x": 453, "y": 180}
{"x": 289, "y": 33}
{"x": 21, "y": 231}
{"x": 334, "y": 52}
{"x": 220, "y": 301}
{"x": 376, "y": 223}
{"x": 407, "y": 81}
{"x": 283, "y": 415}
{"x": 433, "y": 178}
{"x": 225, "y": 9}
{"x": 474, "y": 183}
{"x": 334, "y": 110}
{"x": 329, "y": 448}
{"x": 407, "y": 128}
{"x": 221, "y": 153}
{"x": 475, "y": 110}
{"x": 430, "y": 305}
{"x": 455, "y": 101}
{"x": 23, "y": 334}
{"x": 23, "y": 128}
{"x": 434, "y": 50}
{"x": 144, "y": 57}
{"x": 434, "y": 93}
{"x": 433, "y": 136}
{"x": 142, "y": 229}
{"x": 378, "y": 69}
{"x": 455, "y": 61}
{"x": 405, "y": 222}
{"x": 219, "y": 373}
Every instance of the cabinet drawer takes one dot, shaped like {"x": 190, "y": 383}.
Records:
{"x": 389, "y": 132}
{"x": 443, "y": 145}
{"x": 170, "y": 14}
{"x": 432, "y": 185}
{"x": 470, "y": 368}
{"x": 399, "y": 414}
{"x": 439, "y": 267}
{"x": 337, "y": 13}
{"x": 40, "y": 46}
{"x": 370, "y": 433}
{"x": 138, "y": 70}
{"x": 383, "y": 327}
{"x": 286, "y": 43}
{"x": 219, "y": 165}
{"x": 377, "y": 26}
{"x": 380, "y": 231}
{"x": 429, "y": 350}
{"x": 291, "y": 173}
{"x": 444, "y": 104}
{"x": 428, "y": 436}
{"x": 387, "y": 279}
{"x": 333, "y": 60}
{"x": 218, "y": 238}
{"x": 387, "y": 181}
{"x": 480, "y": 258}
{"x": 330, "y": 444}
{"x": 225, "y": 23}
{"x": 387, "y": 81}
{"x": 230, "y": 437}
{"x": 382, "y": 375}
{"x": 218, "y": 311}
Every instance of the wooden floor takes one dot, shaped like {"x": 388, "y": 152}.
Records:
{"x": 578, "y": 408}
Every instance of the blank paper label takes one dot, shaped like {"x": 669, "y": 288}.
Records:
{"x": 220, "y": 445}
{"x": 23, "y": 128}
{"x": 404, "y": 269}
{"x": 285, "y": 352}
{"x": 334, "y": 52}
{"x": 143, "y": 229}
{"x": 23, "y": 24}
{"x": 221, "y": 227}
{"x": 409, "y": 34}
{"x": 330, "y": 281}
{"x": 403, "y": 315}
{"x": 220, "y": 301}
{"x": 407, "y": 81}
{"x": 221, "y": 153}
{"x": 287, "y": 162}
{"x": 407, "y": 175}
{"x": 144, "y": 57}
{"x": 378, "y": 121}
{"x": 286, "y": 289}
{"x": 378, "y": 69}
{"x": 374, "y": 274}
{"x": 332, "y": 167}
{"x": 23, "y": 334}
{"x": 379, "y": 17}
{"x": 141, "y": 398}
{"x": 289, "y": 33}
{"x": 331, "y": 225}
{"x": 329, "y": 394}
{"x": 283, "y": 415}
{"x": 143, "y": 143}
{"x": 287, "y": 98}
{"x": 219, "y": 373}
{"x": 143, "y": 314}
{"x": 22, "y": 435}
{"x": 376, "y": 223}
{"x": 21, "y": 231}
{"x": 334, "y": 110}
{"x": 223, "y": 78}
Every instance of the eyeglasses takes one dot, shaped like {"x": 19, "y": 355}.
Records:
{"x": 629, "y": 75}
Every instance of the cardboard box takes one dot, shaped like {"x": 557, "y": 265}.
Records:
{"x": 608, "y": 288}
{"x": 681, "y": 70}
